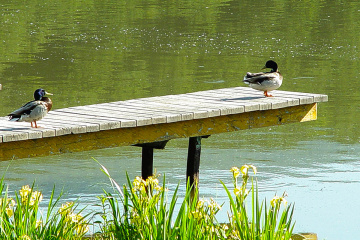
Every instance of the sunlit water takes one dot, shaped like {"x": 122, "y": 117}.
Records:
{"x": 99, "y": 52}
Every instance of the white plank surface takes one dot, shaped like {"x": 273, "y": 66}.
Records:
{"x": 153, "y": 110}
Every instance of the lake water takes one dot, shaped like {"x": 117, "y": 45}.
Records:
{"x": 88, "y": 52}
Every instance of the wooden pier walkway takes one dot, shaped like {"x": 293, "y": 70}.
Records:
{"x": 151, "y": 122}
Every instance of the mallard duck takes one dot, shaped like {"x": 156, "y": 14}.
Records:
{"x": 34, "y": 110}
{"x": 265, "y": 81}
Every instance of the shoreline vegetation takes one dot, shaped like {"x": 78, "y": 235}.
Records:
{"x": 143, "y": 209}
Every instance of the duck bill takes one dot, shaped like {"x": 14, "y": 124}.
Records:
{"x": 47, "y": 93}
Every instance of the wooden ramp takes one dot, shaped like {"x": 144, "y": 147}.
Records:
{"x": 150, "y": 122}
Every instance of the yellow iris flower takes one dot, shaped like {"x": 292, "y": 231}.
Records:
{"x": 245, "y": 169}
{"x": 277, "y": 200}
{"x": 25, "y": 192}
{"x": 235, "y": 171}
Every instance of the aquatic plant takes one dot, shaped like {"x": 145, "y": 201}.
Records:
{"x": 141, "y": 210}
{"x": 267, "y": 221}
{"x": 146, "y": 213}
{"x": 21, "y": 217}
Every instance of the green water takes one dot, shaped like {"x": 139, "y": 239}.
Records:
{"x": 88, "y": 52}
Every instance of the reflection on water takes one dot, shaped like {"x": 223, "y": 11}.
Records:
{"x": 93, "y": 52}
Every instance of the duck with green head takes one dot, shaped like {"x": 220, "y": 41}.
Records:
{"x": 34, "y": 110}
{"x": 265, "y": 81}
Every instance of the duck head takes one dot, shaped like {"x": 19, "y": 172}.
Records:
{"x": 272, "y": 65}
{"x": 39, "y": 93}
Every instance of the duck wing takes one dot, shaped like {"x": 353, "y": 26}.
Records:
{"x": 24, "y": 110}
{"x": 258, "y": 78}
{"x": 250, "y": 75}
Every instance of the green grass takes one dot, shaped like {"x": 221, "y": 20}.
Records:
{"x": 145, "y": 210}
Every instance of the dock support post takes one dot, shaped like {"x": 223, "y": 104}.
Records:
{"x": 147, "y": 162}
{"x": 147, "y": 158}
{"x": 193, "y": 162}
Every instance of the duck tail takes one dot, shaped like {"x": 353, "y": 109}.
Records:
{"x": 14, "y": 118}
{"x": 246, "y": 79}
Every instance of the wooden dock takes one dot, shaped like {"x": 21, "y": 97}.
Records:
{"x": 151, "y": 122}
